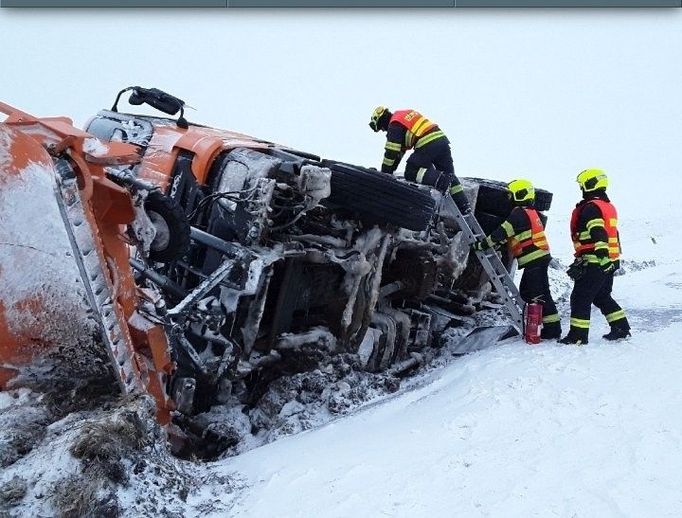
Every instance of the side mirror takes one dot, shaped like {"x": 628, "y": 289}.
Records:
{"x": 157, "y": 99}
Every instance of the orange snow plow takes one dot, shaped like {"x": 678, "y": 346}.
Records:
{"x": 64, "y": 276}
{"x": 203, "y": 264}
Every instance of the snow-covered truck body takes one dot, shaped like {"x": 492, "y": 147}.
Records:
{"x": 207, "y": 262}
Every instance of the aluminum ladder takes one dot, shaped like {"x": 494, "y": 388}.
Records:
{"x": 498, "y": 274}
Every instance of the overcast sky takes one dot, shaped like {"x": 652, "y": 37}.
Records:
{"x": 534, "y": 93}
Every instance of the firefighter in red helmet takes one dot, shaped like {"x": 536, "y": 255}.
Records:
{"x": 594, "y": 231}
{"x": 431, "y": 161}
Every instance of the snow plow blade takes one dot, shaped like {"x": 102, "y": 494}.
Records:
{"x": 66, "y": 291}
{"x": 484, "y": 337}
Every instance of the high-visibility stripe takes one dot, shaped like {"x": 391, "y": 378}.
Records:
{"x": 591, "y": 258}
{"x": 605, "y": 260}
{"x": 388, "y": 161}
{"x": 550, "y": 319}
{"x": 413, "y": 121}
{"x": 616, "y": 315}
{"x": 525, "y": 259}
{"x": 530, "y": 244}
{"x": 580, "y": 323}
{"x": 415, "y": 125}
{"x": 524, "y": 235}
{"x": 582, "y": 240}
{"x": 600, "y": 245}
{"x": 508, "y": 228}
{"x": 420, "y": 174}
{"x": 393, "y": 146}
{"x": 454, "y": 189}
{"x": 538, "y": 240}
{"x": 429, "y": 138}
{"x": 420, "y": 124}
{"x": 596, "y": 222}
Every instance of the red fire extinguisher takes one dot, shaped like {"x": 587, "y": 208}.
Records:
{"x": 533, "y": 323}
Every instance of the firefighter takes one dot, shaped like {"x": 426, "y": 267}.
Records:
{"x": 525, "y": 233}
{"x": 430, "y": 163}
{"x": 594, "y": 230}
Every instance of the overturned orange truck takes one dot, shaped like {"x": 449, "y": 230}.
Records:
{"x": 197, "y": 264}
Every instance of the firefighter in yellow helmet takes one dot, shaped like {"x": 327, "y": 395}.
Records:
{"x": 594, "y": 230}
{"x": 524, "y": 232}
{"x": 431, "y": 161}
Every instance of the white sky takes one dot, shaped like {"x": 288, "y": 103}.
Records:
{"x": 535, "y": 93}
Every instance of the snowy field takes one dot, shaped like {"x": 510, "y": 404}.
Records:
{"x": 515, "y": 430}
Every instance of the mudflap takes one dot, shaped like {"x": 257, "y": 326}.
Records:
{"x": 484, "y": 337}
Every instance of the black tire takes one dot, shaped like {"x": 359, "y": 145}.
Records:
{"x": 492, "y": 197}
{"x": 488, "y": 222}
{"x": 380, "y": 197}
{"x": 172, "y": 239}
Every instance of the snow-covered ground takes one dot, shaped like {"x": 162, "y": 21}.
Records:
{"x": 510, "y": 431}
{"x": 514, "y": 430}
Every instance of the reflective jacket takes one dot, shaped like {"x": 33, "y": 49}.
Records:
{"x": 407, "y": 129}
{"x": 594, "y": 230}
{"x": 525, "y": 233}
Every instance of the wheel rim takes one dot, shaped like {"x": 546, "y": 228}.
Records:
{"x": 162, "y": 237}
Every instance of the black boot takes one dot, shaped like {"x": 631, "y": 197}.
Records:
{"x": 617, "y": 333}
{"x": 551, "y": 331}
{"x": 575, "y": 336}
{"x": 462, "y": 202}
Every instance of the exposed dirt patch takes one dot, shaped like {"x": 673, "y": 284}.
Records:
{"x": 109, "y": 461}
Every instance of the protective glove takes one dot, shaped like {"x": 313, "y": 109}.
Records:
{"x": 578, "y": 269}
{"x": 480, "y": 246}
{"x": 608, "y": 267}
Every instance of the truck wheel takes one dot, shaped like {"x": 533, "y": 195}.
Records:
{"x": 492, "y": 197}
{"x": 380, "y": 197}
{"x": 172, "y": 228}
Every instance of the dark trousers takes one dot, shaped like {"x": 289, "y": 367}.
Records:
{"x": 594, "y": 287}
{"x": 432, "y": 164}
{"x": 534, "y": 287}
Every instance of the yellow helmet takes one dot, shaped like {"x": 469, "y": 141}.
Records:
{"x": 592, "y": 180}
{"x": 521, "y": 191}
{"x": 377, "y": 114}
